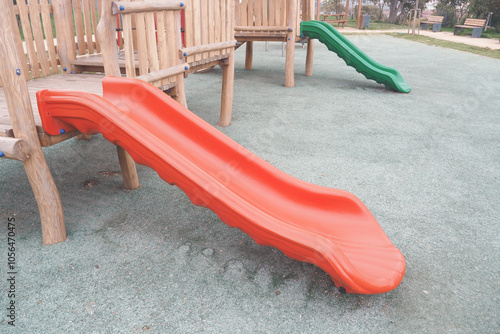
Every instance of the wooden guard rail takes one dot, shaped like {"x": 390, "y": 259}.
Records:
{"x": 151, "y": 32}
{"x": 193, "y": 50}
{"x": 164, "y": 74}
{"x": 208, "y": 22}
{"x": 262, "y": 28}
{"x": 126, "y": 7}
{"x": 74, "y": 23}
{"x": 269, "y": 13}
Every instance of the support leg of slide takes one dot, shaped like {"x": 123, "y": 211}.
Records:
{"x": 129, "y": 172}
{"x": 180, "y": 91}
{"x": 310, "y": 58}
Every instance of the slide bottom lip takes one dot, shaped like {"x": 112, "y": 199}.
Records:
{"x": 353, "y": 56}
{"x": 184, "y": 150}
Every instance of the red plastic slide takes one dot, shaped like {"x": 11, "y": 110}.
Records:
{"x": 330, "y": 228}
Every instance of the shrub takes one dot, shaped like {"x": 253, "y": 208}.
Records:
{"x": 374, "y": 11}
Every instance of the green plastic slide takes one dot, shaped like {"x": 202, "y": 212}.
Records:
{"x": 353, "y": 56}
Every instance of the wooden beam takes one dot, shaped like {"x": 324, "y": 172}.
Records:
{"x": 267, "y": 28}
{"x": 261, "y": 37}
{"x": 166, "y": 73}
{"x": 14, "y": 148}
{"x": 23, "y": 123}
{"x": 48, "y": 140}
{"x": 125, "y": 7}
{"x": 185, "y": 52}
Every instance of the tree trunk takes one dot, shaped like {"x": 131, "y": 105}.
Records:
{"x": 393, "y": 11}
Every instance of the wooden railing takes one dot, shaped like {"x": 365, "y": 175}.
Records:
{"x": 86, "y": 13}
{"x": 149, "y": 36}
{"x": 208, "y": 22}
{"x": 151, "y": 33}
{"x": 52, "y": 32}
{"x": 267, "y": 13}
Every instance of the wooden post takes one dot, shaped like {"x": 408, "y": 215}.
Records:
{"x": 228, "y": 70}
{"x": 180, "y": 89}
{"x": 21, "y": 115}
{"x": 318, "y": 10}
{"x": 359, "y": 23}
{"x": 346, "y": 11}
{"x": 106, "y": 30}
{"x": 310, "y": 42}
{"x": 290, "y": 44}
{"x": 249, "y": 55}
{"x": 66, "y": 46}
{"x": 227, "y": 90}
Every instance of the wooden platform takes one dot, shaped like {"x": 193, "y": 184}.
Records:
{"x": 95, "y": 63}
{"x": 256, "y": 37}
{"x": 85, "y": 82}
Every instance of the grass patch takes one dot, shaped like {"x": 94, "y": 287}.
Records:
{"x": 490, "y": 33}
{"x": 374, "y": 25}
{"x": 450, "y": 45}
{"x": 377, "y": 25}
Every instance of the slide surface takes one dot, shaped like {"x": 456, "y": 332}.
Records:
{"x": 353, "y": 56}
{"x": 330, "y": 228}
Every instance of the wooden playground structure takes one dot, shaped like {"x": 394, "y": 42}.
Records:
{"x": 140, "y": 39}
{"x": 260, "y": 20}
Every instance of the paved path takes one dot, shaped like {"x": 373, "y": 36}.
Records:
{"x": 491, "y": 43}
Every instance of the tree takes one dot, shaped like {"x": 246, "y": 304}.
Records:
{"x": 332, "y": 6}
{"x": 398, "y": 9}
{"x": 455, "y": 11}
{"x": 452, "y": 10}
{"x": 395, "y": 7}
{"x": 481, "y": 8}
{"x": 379, "y": 3}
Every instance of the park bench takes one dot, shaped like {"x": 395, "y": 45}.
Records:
{"x": 436, "y": 22}
{"x": 340, "y": 19}
{"x": 475, "y": 24}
